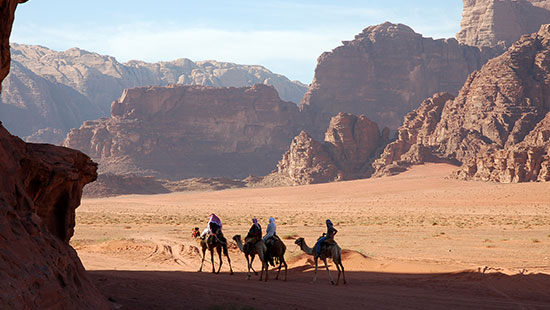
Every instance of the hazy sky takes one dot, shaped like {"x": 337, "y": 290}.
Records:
{"x": 284, "y": 36}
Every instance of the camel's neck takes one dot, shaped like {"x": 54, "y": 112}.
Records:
{"x": 239, "y": 244}
{"x": 306, "y": 249}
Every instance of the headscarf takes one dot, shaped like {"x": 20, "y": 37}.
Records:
{"x": 271, "y": 220}
{"x": 329, "y": 223}
{"x": 255, "y": 221}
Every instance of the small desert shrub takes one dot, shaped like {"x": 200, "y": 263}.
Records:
{"x": 291, "y": 236}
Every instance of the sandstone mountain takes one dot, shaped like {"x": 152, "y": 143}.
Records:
{"x": 40, "y": 187}
{"x": 385, "y": 72}
{"x": 488, "y": 23}
{"x": 350, "y": 145}
{"x": 497, "y": 127}
{"x": 53, "y": 90}
{"x": 180, "y": 132}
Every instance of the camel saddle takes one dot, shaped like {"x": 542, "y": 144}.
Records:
{"x": 271, "y": 240}
{"x": 250, "y": 242}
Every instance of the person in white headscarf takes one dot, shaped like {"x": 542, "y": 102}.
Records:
{"x": 271, "y": 229}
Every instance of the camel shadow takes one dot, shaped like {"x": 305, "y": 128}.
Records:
{"x": 365, "y": 290}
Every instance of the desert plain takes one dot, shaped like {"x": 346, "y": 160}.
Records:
{"x": 418, "y": 240}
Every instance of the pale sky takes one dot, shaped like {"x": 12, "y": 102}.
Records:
{"x": 284, "y": 36}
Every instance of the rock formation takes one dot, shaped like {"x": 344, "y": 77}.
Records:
{"x": 351, "y": 143}
{"x": 60, "y": 90}
{"x": 180, "y": 132}
{"x": 385, "y": 72}
{"x": 40, "y": 187}
{"x": 497, "y": 127}
{"x": 488, "y": 23}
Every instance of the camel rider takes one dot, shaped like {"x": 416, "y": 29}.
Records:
{"x": 214, "y": 226}
{"x": 254, "y": 233}
{"x": 196, "y": 233}
{"x": 271, "y": 229}
{"x": 269, "y": 238}
{"x": 331, "y": 231}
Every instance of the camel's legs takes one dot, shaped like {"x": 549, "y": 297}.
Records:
{"x": 219, "y": 250}
{"x": 328, "y": 270}
{"x": 343, "y": 274}
{"x": 203, "y": 256}
{"x": 249, "y": 265}
{"x": 264, "y": 266}
{"x": 316, "y": 264}
{"x": 212, "y": 258}
{"x": 251, "y": 261}
{"x": 337, "y": 267}
{"x": 226, "y": 253}
{"x": 281, "y": 262}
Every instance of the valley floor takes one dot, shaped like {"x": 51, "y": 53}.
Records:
{"x": 417, "y": 240}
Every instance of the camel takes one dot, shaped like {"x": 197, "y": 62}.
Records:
{"x": 332, "y": 251}
{"x": 277, "y": 251}
{"x": 259, "y": 249}
{"x": 212, "y": 243}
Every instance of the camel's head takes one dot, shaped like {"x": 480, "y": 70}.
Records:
{"x": 299, "y": 241}
{"x": 237, "y": 238}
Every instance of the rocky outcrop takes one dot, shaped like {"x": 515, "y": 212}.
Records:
{"x": 498, "y": 126}
{"x": 489, "y": 23}
{"x": 412, "y": 137}
{"x": 385, "y": 72}
{"x": 179, "y": 132}
{"x": 350, "y": 144}
{"x": 60, "y": 90}
{"x": 40, "y": 188}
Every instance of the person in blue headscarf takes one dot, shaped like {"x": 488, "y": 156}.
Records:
{"x": 331, "y": 231}
{"x": 271, "y": 229}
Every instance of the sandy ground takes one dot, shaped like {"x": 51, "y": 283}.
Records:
{"x": 417, "y": 240}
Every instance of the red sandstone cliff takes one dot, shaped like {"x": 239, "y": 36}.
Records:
{"x": 40, "y": 187}
{"x": 385, "y": 72}
{"x": 191, "y": 131}
{"x": 497, "y": 127}
{"x": 351, "y": 143}
{"x": 488, "y": 23}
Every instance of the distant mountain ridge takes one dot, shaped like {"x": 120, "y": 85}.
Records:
{"x": 49, "y": 90}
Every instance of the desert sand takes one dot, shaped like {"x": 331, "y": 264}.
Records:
{"x": 418, "y": 240}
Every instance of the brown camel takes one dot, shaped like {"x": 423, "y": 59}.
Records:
{"x": 258, "y": 249}
{"x": 211, "y": 243}
{"x": 332, "y": 251}
{"x": 276, "y": 250}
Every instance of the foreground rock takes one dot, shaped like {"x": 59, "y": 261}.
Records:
{"x": 489, "y": 23}
{"x": 385, "y": 72}
{"x": 351, "y": 143}
{"x": 60, "y": 90}
{"x": 179, "y": 132}
{"x": 498, "y": 127}
{"x": 41, "y": 186}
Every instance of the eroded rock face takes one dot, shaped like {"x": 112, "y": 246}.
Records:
{"x": 180, "y": 132}
{"x": 40, "y": 188}
{"x": 498, "y": 126}
{"x": 60, "y": 90}
{"x": 350, "y": 144}
{"x": 385, "y": 72}
{"x": 412, "y": 137}
{"x": 488, "y": 23}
